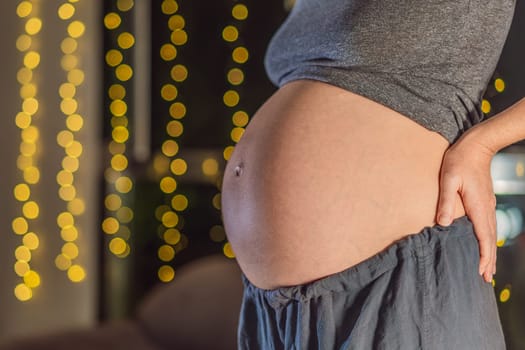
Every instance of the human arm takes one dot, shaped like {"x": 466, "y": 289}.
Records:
{"x": 466, "y": 170}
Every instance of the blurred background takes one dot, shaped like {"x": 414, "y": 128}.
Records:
{"x": 117, "y": 119}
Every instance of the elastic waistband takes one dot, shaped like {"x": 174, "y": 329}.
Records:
{"x": 420, "y": 244}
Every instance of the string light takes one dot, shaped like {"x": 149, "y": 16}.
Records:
{"x": 27, "y": 159}
{"x": 116, "y": 224}
{"x": 167, "y": 164}
{"x": 73, "y": 148}
{"x": 231, "y": 99}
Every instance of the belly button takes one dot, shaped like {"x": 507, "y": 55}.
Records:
{"x": 238, "y": 170}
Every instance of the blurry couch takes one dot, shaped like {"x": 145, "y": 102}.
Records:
{"x": 197, "y": 311}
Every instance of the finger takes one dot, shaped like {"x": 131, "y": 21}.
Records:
{"x": 482, "y": 228}
{"x": 448, "y": 190}
{"x": 494, "y": 228}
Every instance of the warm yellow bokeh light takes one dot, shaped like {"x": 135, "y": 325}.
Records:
{"x": 31, "y": 210}
{"x": 31, "y": 241}
{"x": 177, "y": 110}
{"x": 179, "y": 202}
{"x": 160, "y": 210}
{"x": 66, "y": 11}
{"x": 65, "y": 138}
{"x": 70, "y": 164}
{"x": 23, "y": 120}
{"x": 210, "y": 167}
{"x": 67, "y": 90}
{"x": 216, "y": 201}
{"x": 170, "y": 148}
{"x": 23, "y": 253}
{"x": 22, "y": 192}
{"x": 27, "y": 149}
{"x": 23, "y": 292}
{"x": 75, "y": 149}
{"x": 504, "y": 295}
{"x": 174, "y": 128}
{"x": 123, "y": 72}
{"x": 119, "y": 162}
{"x": 31, "y": 59}
{"x": 123, "y": 184}
{"x": 110, "y": 225}
{"x": 69, "y": 62}
{"x": 120, "y": 134}
{"x": 33, "y": 25}
{"x": 62, "y": 262}
{"x": 24, "y": 9}
{"x": 64, "y": 178}
{"x": 486, "y": 106}
{"x": 116, "y": 92}
{"x": 30, "y": 134}
{"x": 19, "y": 226}
{"x": 70, "y": 250}
{"x": 178, "y": 166}
{"x": 240, "y": 12}
{"x": 176, "y": 22}
{"x": 240, "y": 118}
{"x": 31, "y": 175}
{"x": 166, "y": 273}
{"x": 166, "y": 253}
{"x": 69, "y": 233}
{"x": 170, "y": 219}
{"x": 240, "y": 54}
{"x": 125, "y": 215}
{"x": 28, "y": 91}
{"x": 169, "y": 7}
{"x": 74, "y": 122}
{"x": 23, "y": 43}
{"x": 125, "y": 5}
{"x": 68, "y": 106}
{"x": 499, "y": 84}
{"x": 168, "y": 92}
{"x": 75, "y": 76}
{"x": 179, "y": 73}
{"x": 235, "y": 76}
{"x": 227, "y": 153}
{"x": 21, "y": 268}
{"x": 168, "y": 185}
{"x": 67, "y": 192}
{"x": 114, "y": 58}
{"x": 68, "y": 45}
{"x": 32, "y": 279}
{"x": 179, "y": 37}
{"x": 24, "y": 75}
{"x": 76, "y": 29}
{"x": 112, "y": 20}
{"x": 76, "y": 273}
{"x": 236, "y": 134}
{"x": 118, "y": 108}
{"x": 168, "y": 52}
{"x": 125, "y": 40}
{"x": 65, "y": 220}
{"x": 231, "y": 98}
{"x": 30, "y": 106}
{"x": 228, "y": 251}
{"x": 172, "y": 236}
{"x": 230, "y": 33}
{"x": 117, "y": 246}
{"x": 161, "y": 163}
{"x": 76, "y": 206}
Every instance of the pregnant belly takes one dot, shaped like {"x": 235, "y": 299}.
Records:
{"x": 323, "y": 179}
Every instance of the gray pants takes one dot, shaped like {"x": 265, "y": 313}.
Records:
{"x": 422, "y": 292}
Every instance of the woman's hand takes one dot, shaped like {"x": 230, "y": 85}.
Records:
{"x": 466, "y": 170}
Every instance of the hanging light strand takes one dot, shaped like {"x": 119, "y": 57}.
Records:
{"x": 118, "y": 217}
{"x": 168, "y": 162}
{"x": 68, "y": 140}
{"x": 23, "y": 225}
{"x": 235, "y": 76}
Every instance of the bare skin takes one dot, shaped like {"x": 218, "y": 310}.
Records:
{"x": 323, "y": 179}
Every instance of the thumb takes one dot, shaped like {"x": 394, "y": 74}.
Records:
{"x": 448, "y": 190}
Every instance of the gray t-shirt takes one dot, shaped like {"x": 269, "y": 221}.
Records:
{"x": 430, "y": 60}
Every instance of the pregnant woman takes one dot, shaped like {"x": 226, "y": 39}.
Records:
{"x": 359, "y": 202}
